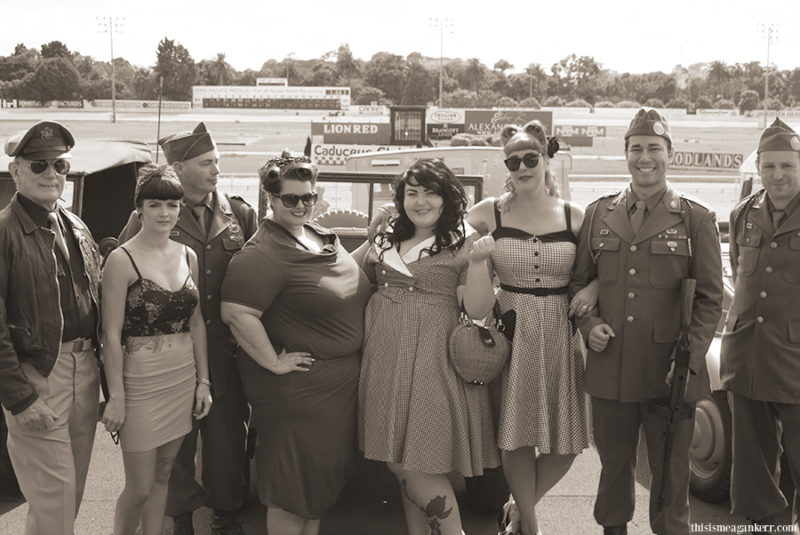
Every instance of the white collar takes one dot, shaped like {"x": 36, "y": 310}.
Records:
{"x": 392, "y": 258}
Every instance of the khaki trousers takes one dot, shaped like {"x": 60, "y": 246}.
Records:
{"x": 51, "y": 465}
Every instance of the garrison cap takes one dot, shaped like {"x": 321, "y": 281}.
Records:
{"x": 648, "y": 122}
{"x": 778, "y": 136}
{"x": 186, "y": 145}
{"x": 45, "y": 139}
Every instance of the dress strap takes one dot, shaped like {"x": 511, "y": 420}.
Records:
{"x": 568, "y": 216}
{"x": 132, "y": 262}
{"x": 496, "y": 206}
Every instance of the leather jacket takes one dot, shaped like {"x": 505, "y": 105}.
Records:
{"x": 31, "y": 321}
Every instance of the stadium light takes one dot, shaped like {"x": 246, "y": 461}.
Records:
{"x": 444, "y": 24}
{"x": 770, "y": 33}
{"x": 110, "y": 25}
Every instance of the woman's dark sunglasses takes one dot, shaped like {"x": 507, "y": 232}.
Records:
{"x": 289, "y": 200}
{"x": 60, "y": 165}
{"x": 531, "y": 160}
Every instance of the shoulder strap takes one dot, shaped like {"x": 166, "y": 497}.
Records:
{"x": 568, "y": 216}
{"x": 132, "y": 262}
{"x": 691, "y": 230}
{"x": 496, "y": 206}
{"x": 188, "y": 263}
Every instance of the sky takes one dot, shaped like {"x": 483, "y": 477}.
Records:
{"x": 624, "y": 36}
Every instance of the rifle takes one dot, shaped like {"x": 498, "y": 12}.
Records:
{"x": 676, "y": 410}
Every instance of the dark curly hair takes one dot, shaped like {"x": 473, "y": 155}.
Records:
{"x": 157, "y": 182}
{"x": 450, "y": 232}
{"x": 287, "y": 165}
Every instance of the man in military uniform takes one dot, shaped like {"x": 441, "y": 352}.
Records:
{"x": 49, "y": 280}
{"x": 640, "y": 243}
{"x": 760, "y": 364}
{"x": 215, "y": 226}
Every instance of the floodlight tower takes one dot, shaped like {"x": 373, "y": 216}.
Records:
{"x": 770, "y": 33}
{"x": 110, "y": 25}
{"x": 444, "y": 24}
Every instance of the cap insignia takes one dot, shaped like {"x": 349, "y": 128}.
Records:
{"x": 795, "y": 142}
{"x": 658, "y": 128}
{"x": 46, "y": 133}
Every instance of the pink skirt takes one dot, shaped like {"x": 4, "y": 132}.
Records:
{"x": 159, "y": 378}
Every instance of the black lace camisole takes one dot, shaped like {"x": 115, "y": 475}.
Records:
{"x": 151, "y": 309}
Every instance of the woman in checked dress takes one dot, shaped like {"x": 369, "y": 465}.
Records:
{"x": 415, "y": 413}
{"x": 530, "y": 247}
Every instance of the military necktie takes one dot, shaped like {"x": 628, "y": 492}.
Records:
{"x": 777, "y": 217}
{"x": 199, "y": 211}
{"x": 52, "y": 217}
{"x": 637, "y": 217}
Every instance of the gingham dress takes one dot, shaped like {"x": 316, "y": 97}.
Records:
{"x": 413, "y": 408}
{"x": 543, "y": 400}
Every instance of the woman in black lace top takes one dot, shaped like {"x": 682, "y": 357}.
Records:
{"x": 154, "y": 347}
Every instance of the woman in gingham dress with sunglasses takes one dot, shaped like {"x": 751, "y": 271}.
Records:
{"x": 415, "y": 413}
{"x": 531, "y": 249}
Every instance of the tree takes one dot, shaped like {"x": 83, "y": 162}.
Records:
{"x": 321, "y": 74}
{"x": 419, "y": 85}
{"x": 475, "y": 73}
{"x": 368, "y": 95}
{"x": 55, "y": 79}
{"x": 221, "y": 71}
{"x": 536, "y": 76}
{"x": 748, "y": 101}
{"x": 717, "y": 75}
{"x": 576, "y": 76}
{"x": 177, "y": 68}
{"x": 386, "y": 71}
{"x": 55, "y": 49}
{"x": 502, "y": 66}
{"x": 346, "y": 66}
{"x": 19, "y": 65}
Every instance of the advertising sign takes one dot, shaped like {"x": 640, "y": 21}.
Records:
{"x": 485, "y": 122}
{"x": 330, "y": 154}
{"x": 352, "y": 133}
{"x": 707, "y": 160}
{"x": 443, "y": 131}
{"x": 444, "y": 116}
{"x": 585, "y": 131}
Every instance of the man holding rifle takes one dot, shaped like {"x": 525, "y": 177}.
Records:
{"x": 761, "y": 346}
{"x": 642, "y": 244}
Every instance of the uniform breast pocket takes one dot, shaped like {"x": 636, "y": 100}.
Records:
{"x": 606, "y": 254}
{"x": 669, "y": 262}
{"x": 791, "y": 269}
{"x": 747, "y": 259}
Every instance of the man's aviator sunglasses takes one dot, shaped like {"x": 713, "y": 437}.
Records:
{"x": 60, "y": 166}
{"x": 289, "y": 200}
{"x": 531, "y": 160}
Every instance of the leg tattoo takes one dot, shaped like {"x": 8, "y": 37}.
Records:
{"x": 435, "y": 511}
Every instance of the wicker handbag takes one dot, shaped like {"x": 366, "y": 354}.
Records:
{"x": 477, "y": 352}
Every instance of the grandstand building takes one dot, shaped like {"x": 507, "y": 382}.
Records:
{"x": 271, "y": 96}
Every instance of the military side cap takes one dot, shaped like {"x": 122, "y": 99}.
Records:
{"x": 777, "y": 137}
{"x": 186, "y": 145}
{"x": 45, "y": 139}
{"x": 648, "y": 122}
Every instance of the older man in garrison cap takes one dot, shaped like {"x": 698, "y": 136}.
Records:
{"x": 640, "y": 243}
{"x": 49, "y": 276}
{"x": 215, "y": 225}
{"x": 761, "y": 345}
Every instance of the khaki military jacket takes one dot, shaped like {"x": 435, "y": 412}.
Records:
{"x": 640, "y": 278}
{"x": 761, "y": 343}
{"x": 232, "y": 223}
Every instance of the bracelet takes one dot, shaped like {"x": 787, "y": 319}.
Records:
{"x": 203, "y": 380}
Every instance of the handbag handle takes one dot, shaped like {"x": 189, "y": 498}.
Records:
{"x": 498, "y": 317}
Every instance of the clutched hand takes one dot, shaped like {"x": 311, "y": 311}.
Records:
{"x": 114, "y": 415}
{"x": 599, "y": 337}
{"x": 482, "y": 249}
{"x": 202, "y": 401}
{"x": 37, "y": 417}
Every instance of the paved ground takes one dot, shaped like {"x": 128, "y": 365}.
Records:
{"x": 370, "y": 504}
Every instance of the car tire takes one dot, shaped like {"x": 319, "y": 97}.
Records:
{"x": 710, "y": 455}
{"x": 343, "y": 218}
{"x": 487, "y": 493}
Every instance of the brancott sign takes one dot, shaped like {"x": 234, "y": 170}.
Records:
{"x": 484, "y": 122}
{"x": 352, "y": 133}
{"x": 708, "y": 160}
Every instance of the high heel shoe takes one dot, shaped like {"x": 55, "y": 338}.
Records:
{"x": 509, "y": 519}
